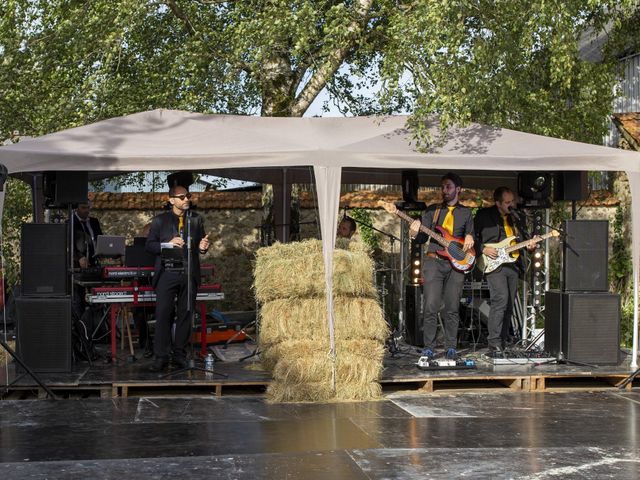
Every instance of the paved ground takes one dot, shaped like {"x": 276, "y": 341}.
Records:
{"x": 505, "y": 435}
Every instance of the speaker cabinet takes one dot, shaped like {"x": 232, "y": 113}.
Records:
{"x": 571, "y": 186}
{"x": 585, "y": 266}
{"x": 410, "y": 185}
{"x": 62, "y": 189}
{"x": 44, "y": 333}
{"x": 44, "y": 259}
{"x": 585, "y": 327}
{"x": 413, "y": 323}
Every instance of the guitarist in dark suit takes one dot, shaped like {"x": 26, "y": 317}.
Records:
{"x": 442, "y": 283}
{"x": 171, "y": 286}
{"x": 492, "y": 225}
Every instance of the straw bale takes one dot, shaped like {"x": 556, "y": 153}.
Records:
{"x": 296, "y": 270}
{"x": 356, "y": 391}
{"x": 4, "y": 356}
{"x": 304, "y": 368}
{"x": 354, "y": 318}
{"x": 358, "y": 362}
{"x": 300, "y": 392}
{"x": 271, "y": 353}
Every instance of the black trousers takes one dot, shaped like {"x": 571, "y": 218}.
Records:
{"x": 503, "y": 286}
{"x": 442, "y": 291}
{"x": 171, "y": 291}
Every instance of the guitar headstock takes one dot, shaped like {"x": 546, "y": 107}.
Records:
{"x": 388, "y": 206}
{"x": 554, "y": 233}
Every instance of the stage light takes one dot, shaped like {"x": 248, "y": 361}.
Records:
{"x": 537, "y": 264}
{"x": 416, "y": 271}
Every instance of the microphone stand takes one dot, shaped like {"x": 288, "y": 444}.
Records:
{"x": 191, "y": 366}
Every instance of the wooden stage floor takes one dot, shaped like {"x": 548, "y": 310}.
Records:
{"x": 401, "y": 374}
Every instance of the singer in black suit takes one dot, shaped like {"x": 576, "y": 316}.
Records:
{"x": 172, "y": 286}
{"x": 492, "y": 225}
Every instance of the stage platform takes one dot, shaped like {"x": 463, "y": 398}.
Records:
{"x": 125, "y": 379}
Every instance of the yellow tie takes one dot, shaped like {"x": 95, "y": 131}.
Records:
{"x": 509, "y": 232}
{"x": 447, "y": 224}
{"x": 180, "y": 226}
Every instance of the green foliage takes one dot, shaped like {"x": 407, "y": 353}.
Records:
{"x": 509, "y": 63}
{"x": 559, "y": 213}
{"x": 620, "y": 266}
{"x": 17, "y": 210}
{"x": 369, "y": 236}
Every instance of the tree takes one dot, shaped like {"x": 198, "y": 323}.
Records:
{"x": 508, "y": 62}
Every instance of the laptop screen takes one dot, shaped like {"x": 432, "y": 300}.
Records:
{"x": 110, "y": 246}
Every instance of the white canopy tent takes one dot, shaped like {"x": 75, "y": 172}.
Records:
{"x": 175, "y": 140}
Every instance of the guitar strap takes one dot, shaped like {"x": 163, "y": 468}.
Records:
{"x": 434, "y": 222}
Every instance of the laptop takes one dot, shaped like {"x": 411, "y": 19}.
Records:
{"x": 110, "y": 246}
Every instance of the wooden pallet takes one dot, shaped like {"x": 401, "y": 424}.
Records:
{"x": 202, "y": 387}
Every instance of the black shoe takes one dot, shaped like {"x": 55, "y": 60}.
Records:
{"x": 495, "y": 351}
{"x": 180, "y": 362}
{"x": 158, "y": 365}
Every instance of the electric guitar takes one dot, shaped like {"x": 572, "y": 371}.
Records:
{"x": 504, "y": 249}
{"x": 453, "y": 246}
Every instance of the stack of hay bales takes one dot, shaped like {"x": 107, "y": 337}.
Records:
{"x": 294, "y": 332}
{"x": 4, "y": 355}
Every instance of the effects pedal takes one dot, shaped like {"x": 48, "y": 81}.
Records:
{"x": 427, "y": 363}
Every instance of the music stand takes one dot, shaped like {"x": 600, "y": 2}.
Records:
{"x": 173, "y": 256}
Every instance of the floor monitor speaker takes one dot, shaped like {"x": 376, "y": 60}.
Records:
{"x": 44, "y": 259}
{"x": 585, "y": 266}
{"x": 585, "y": 327}
{"x": 44, "y": 333}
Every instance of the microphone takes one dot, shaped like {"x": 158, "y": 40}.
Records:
{"x": 515, "y": 213}
{"x": 344, "y": 215}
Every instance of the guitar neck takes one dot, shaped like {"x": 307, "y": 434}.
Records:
{"x": 433, "y": 234}
{"x": 525, "y": 243}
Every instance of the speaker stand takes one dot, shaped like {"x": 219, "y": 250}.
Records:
{"x": 629, "y": 379}
{"x": 27, "y": 369}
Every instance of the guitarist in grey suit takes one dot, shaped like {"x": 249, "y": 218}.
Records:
{"x": 492, "y": 225}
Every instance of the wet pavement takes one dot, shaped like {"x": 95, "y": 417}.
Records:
{"x": 471, "y": 435}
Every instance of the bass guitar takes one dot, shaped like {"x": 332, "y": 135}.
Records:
{"x": 504, "y": 249}
{"x": 453, "y": 246}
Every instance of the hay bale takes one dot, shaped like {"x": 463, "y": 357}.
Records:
{"x": 279, "y": 392}
{"x": 354, "y": 318}
{"x": 5, "y": 358}
{"x": 296, "y": 270}
{"x": 361, "y": 392}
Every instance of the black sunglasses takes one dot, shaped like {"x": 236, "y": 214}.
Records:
{"x": 182, "y": 196}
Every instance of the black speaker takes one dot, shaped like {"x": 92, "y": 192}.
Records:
{"x": 62, "y": 189}
{"x": 585, "y": 327}
{"x": 571, "y": 186}
{"x": 44, "y": 259}
{"x": 585, "y": 266}
{"x": 44, "y": 333}
{"x": 410, "y": 185}
{"x": 534, "y": 185}
{"x": 413, "y": 310}
{"x": 182, "y": 179}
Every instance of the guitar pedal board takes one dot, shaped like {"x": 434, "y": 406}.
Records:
{"x": 427, "y": 363}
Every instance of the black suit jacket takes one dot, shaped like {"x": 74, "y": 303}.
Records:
{"x": 164, "y": 227}
{"x": 462, "y": 223}
{"x": 489, "y": 228}
{"x": 83, "y": 240}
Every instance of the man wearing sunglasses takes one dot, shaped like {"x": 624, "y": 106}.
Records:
{"x": 171, "y": 284}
